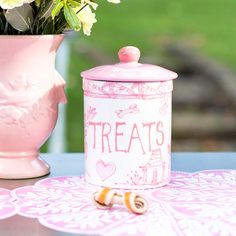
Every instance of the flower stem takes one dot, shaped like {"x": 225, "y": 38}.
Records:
{"x": 82, "y": 8}
{"x": 6, "y": 28}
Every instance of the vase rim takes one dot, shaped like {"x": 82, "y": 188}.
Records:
{"x": 32, "y": 36}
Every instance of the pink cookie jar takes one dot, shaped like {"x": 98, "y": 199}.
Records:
{"x": 127, "y": 116}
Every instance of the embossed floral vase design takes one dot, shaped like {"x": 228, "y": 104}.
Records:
{"x": 30, "y": 91}
{"x": 127, "y": 117}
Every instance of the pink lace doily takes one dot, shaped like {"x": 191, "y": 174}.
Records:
{"x": 7, "y": 208}
{"x": 202, "y": 203}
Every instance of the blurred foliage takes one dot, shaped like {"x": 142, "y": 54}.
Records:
{"x": 208, "y": 26}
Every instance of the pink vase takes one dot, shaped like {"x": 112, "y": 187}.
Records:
{"x": 30, "y": 91}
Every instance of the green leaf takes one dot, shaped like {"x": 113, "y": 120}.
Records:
{"x": 74, "y": 3}
{"x": 47, "y": 10}
{"x": 56, "y": 10}
{"x": 71, "y": 18}
{"x": 38, "y": 2}
{"x": 20, "y": 18}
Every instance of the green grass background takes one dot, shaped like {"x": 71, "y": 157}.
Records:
{"x": 207, "y": 25}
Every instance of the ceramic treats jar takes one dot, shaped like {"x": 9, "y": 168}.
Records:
{"x": 127, "y": 116}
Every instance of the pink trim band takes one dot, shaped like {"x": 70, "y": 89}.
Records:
{"x": 104, "y": 89}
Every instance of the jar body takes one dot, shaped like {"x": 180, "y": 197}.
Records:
{"x": 127, "y": 133}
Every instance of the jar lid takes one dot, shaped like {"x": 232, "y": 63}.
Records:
{"x": 129, "y": 69}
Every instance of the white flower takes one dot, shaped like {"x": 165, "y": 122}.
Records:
{"x": 114, "y": 1}
{"x": 87, "y": 19}
{"x": 9, "y": 4}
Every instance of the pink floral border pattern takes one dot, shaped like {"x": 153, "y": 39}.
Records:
{"x": 7, "y": 208}
{"x": 201, "y": 203}
{"x": 116, "y": 90}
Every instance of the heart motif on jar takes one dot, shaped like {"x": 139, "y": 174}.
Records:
{"x": 105, "y": 170}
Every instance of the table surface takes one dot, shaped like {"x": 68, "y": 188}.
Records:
{"x": 73, "y": 164}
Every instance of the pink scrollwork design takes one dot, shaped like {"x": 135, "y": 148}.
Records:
{"x": 132, "y": 109}
{"x": 202, "y": 201}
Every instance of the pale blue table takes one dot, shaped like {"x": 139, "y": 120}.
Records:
{"x": 73, "y": 164}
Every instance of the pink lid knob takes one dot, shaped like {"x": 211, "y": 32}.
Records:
{"x": 129, "y": 54}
